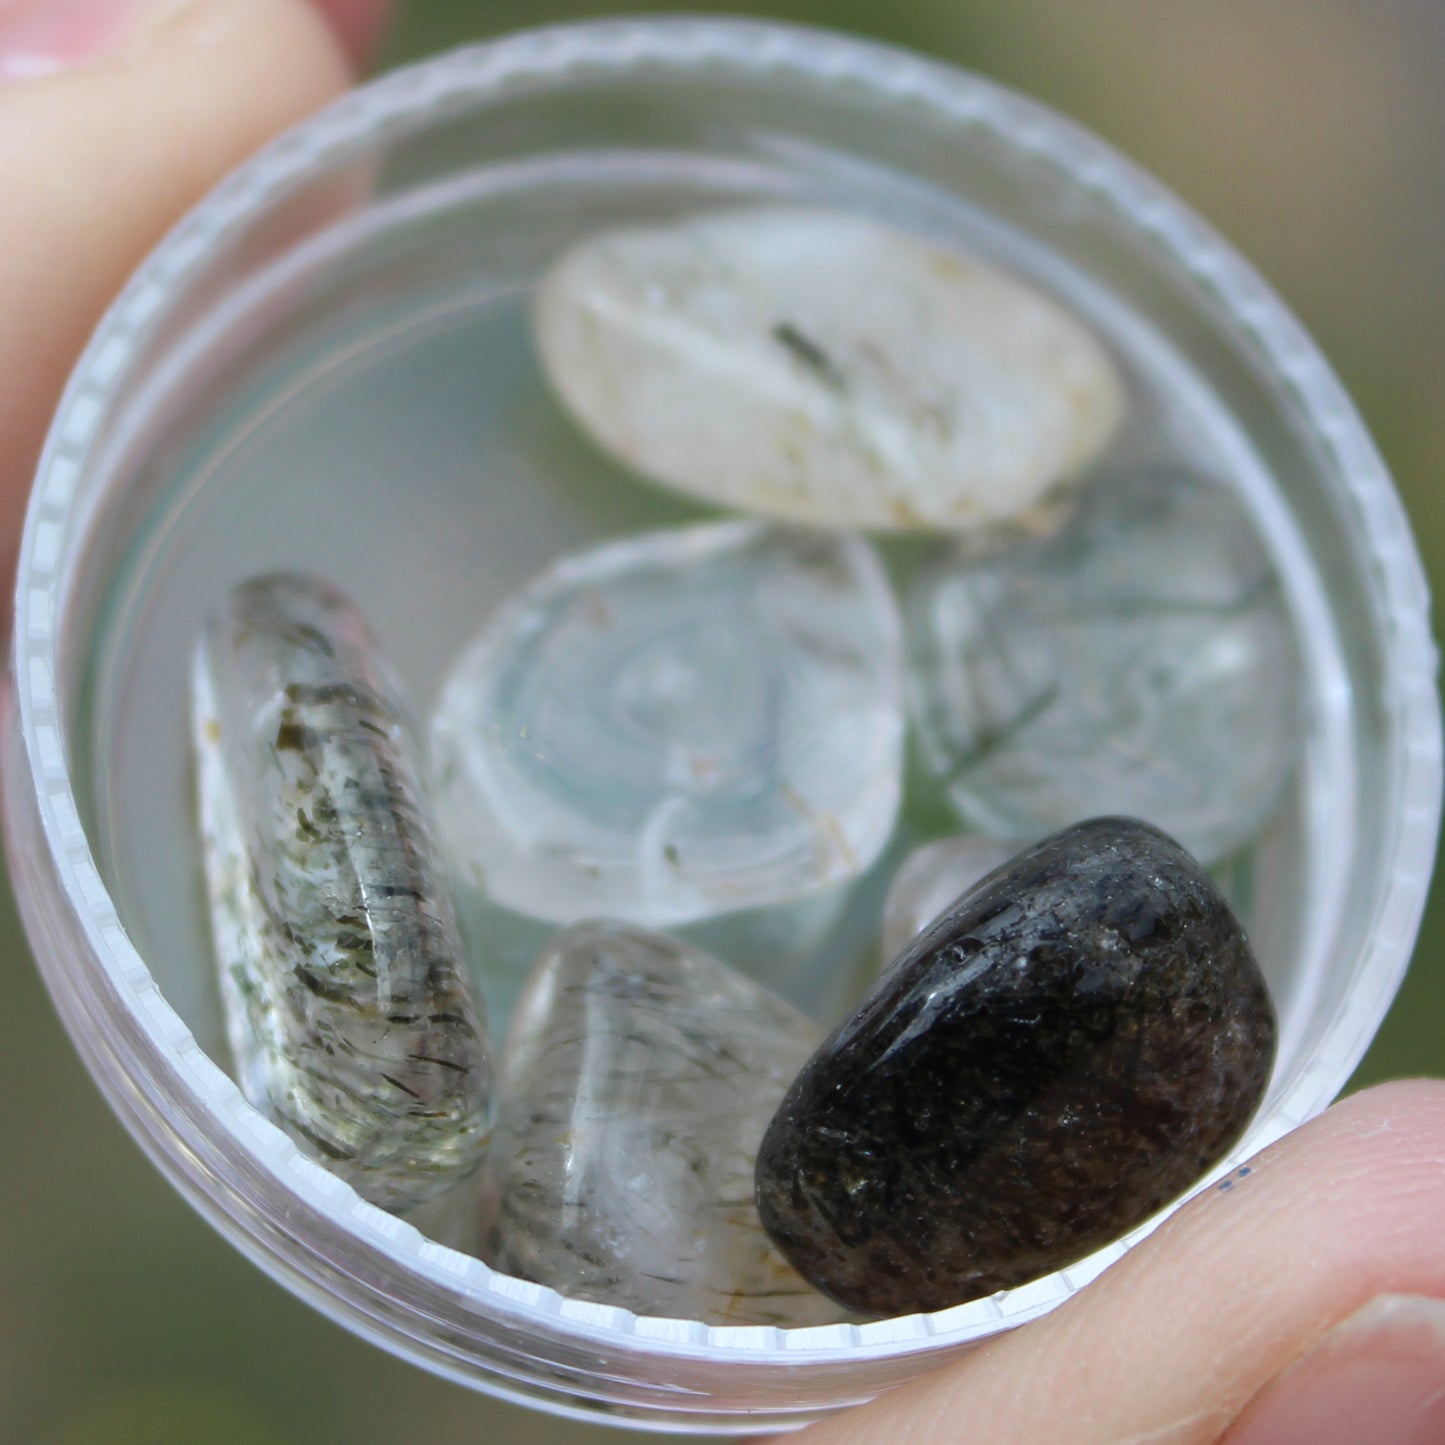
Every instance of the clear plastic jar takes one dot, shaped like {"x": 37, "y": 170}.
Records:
{"x": 327, "y": 365}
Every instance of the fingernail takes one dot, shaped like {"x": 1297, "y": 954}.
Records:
{"x": 43, "y": 37}
{"x": 1377, "y": 1377}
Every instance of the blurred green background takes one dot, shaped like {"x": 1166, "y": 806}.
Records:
{"x": 1311, "y": 132}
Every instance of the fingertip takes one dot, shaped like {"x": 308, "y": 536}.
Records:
{"x": 1378, "y": 1376}
{"x": 360, "y": 25}
{"x": 102, "y": 157}
{"x": 1357, "y": 1186}
{"x": 1344, "y": 1208}
{"x": 1174, "y": 1340}
{"x": 1409, "y": 1106}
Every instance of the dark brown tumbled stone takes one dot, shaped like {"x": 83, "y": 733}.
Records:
{"x": 1067, "y": 1049}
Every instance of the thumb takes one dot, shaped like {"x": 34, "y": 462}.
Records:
{"x": 115, "y": 116}
{"x": 1212, "y": 1310}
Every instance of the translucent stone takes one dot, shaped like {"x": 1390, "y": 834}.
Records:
{"x": 824, "y": 368}
{"x": 677, "y": 725}
{"x": 1141, "y": 661}
{"x": 342, "y": 973}
{"x": 637, "y": 1080}
{"x": 931, "y": 878}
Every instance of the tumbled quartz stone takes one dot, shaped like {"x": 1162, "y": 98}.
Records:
{"x": 1141, "y": 661}
{"x": 676, "y": 725}
{"x": 342, "y": 974}
{"x": 1073, "y": 1046}
{"x": 934, "y": 876}
{"x": 824, "y": 368}
{"x": 637, "y": 1079}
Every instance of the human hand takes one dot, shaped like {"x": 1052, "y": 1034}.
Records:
{"x": 1300, "y": 1302}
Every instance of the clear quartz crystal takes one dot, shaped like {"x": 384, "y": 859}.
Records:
{"x": 931, "y": 878}
{"x": 1139, "y": 662}
{"x": 342, "y": 972}
{"x": 637, "y": 1080}
{"x": 677, "y": 725}
{"x": 825, "y": 368}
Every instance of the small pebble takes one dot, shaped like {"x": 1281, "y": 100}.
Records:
{"x": 637, "y": 1079}
{"x": 677, "y": 725}
{"x": 1141, "y": 661}
{"x": 1076, "y": 1044}
{"x": 342, "y": 971}
{"x": 824, "y": 368}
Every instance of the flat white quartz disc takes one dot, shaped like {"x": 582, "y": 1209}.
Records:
{"x": 824, "y": 368}
{"x": 676, "y": 725}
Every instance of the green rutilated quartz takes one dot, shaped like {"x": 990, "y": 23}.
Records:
{"x": 342, "y": 971}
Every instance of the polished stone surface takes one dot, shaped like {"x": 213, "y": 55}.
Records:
{"x": 637, "y": 1079}
{"x": 1141, "y": 661}
{"x": 677, "y": 725}
{"x": 1045, "y": 1068}
{"x": 342, "y": 972}
{"x": 932, "y": 877}
{"x": 822, "y": 367}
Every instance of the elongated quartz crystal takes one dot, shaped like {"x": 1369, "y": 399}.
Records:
{"x": 342, "y": 972}
{"x": 637, "y": 1080}
{"x": 1141, "y": 661}
{"x": 676, "y": 725}
{"x": 825, "y": 368}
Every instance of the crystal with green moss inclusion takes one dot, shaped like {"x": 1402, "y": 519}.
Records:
{"x": 1142, "y": 661}
{"x": 342, "y": 975}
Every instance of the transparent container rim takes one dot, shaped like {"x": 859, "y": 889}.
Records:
{"x": 196, "y": 1097}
